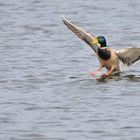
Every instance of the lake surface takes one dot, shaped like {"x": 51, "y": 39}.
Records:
{"x": 46, "y": 91}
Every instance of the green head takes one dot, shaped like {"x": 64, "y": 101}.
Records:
{"x": 102, "y": 41}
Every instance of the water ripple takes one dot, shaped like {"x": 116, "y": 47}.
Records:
{"x": 46, "y": 91}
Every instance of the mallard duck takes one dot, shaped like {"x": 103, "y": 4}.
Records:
{"x": 108, "y": 57}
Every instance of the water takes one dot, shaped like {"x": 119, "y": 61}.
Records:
{"x": 46, "y": 92}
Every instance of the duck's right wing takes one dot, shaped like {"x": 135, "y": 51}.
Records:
{"x": 90, "y": 40}
{"x": 129, "y": 55}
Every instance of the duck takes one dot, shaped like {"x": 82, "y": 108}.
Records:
{"x": 109, "y": 58}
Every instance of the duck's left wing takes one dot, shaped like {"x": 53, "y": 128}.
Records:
{"x": 129, "y": 55}
{"x": 90, "y": 40}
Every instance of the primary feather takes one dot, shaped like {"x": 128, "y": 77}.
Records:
{"x": 81, "y": 34}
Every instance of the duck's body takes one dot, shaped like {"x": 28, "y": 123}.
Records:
{"x": 112, "y": 61}
{"x": 108, "y": 58}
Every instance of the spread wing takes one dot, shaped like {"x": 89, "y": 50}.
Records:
{"x": 90, "y": 40}
{"x": 129, "y": 56}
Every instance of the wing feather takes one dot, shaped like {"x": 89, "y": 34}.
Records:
{"x": 90, "y": 40}
{"x": 129, "y": 56}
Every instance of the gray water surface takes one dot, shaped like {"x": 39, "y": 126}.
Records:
{"x": 46, "y": 92}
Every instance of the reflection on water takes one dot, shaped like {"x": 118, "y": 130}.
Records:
{"x": 118, "y": 77}
{"x": 132, "y": 78}
{"x": 46, "y": 91}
